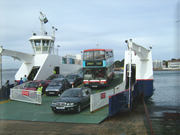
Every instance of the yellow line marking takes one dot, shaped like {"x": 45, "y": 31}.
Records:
{"x": 98, "y": 91}
{"x": 5, "y": 101}
{"x": 80, "y": 85}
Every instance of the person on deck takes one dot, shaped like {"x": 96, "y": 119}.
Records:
{"x": 54, "y": 72}
{"x": 7, "y": 89}
{"x": 39, "y": 89}
{"x": 21, "y": 81}
{"x": 15, "y": 83}
{"x": 24, "y": 78}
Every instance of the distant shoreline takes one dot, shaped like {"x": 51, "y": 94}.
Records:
{"x": 167, "y": 69}
{"x": 9, "y": 69}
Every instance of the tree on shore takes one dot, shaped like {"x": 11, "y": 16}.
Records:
{"x": 119, "y": 64}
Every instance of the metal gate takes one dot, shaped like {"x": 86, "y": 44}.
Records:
{"x": 29, "y": 96}
{"x": 99, "y": 100}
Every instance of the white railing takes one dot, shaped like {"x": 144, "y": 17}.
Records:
{"x": 99, "y": 100}
{"x": 29, "y": 96}
{"x": 120, "y": 88}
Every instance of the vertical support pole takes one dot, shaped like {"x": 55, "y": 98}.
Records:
{"x": 0, "y": 70}
{"x": 130, "y": 51}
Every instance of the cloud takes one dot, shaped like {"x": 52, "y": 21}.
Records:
{"x": 84, "y": 24}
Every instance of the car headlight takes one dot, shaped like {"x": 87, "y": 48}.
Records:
{"x": 54, "y": 103}
{"x": 69, "y": 104}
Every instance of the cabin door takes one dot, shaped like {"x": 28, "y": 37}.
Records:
{"x": 33, "y": 73}
{"x": 56, "y": 69}
{"x": 133, "y": 75}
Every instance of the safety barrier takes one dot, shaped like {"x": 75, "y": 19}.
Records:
{"x": 29, "y": 96}
{"x": 99, "y": 100}
{"x": 120, "y": 88}
{"x": 120, "y": 101}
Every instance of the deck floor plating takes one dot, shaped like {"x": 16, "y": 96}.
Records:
{"x": 16, "y": 110}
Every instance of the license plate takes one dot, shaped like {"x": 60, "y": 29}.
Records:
{"x": 51, "y": 92}
{"x": 94, "y": 86}
{"x": 60, "y": 107}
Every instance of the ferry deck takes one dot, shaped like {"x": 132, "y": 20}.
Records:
{"x": 16, "y": 110}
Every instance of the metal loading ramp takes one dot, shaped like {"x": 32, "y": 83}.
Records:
{"x": 15, "y": 110}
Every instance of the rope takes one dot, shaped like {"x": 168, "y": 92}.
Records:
{"x": 35, "y": 24}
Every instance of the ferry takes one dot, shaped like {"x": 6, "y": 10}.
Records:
{"x": 44, "y": 61}
{"x": 137, "y": 78}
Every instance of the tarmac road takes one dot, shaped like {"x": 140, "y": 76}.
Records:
{"x": 123, "y": 123}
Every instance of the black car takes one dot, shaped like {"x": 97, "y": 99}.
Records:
{"x": 73, "y": 99}
{"x": 51, "y": 77}
{"x": 57, "y": 86}
{"x": 75, "y": 79}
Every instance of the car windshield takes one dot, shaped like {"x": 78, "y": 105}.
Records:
{"x": 71, "y": 77}
{"x": 71, "y": 93}
{"x": 56, "y": 83}
{"x": 32, "y": 85}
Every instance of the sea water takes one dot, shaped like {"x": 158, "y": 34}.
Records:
{"x": 8, "y": 75}
{"x": 167, "y": 88}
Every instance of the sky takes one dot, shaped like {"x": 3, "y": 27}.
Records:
{"x": 82, "y": 24}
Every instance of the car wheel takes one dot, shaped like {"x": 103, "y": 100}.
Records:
{"x": 79, "y": 108}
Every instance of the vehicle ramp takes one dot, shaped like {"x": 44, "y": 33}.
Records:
{"x": 15, "y": 110}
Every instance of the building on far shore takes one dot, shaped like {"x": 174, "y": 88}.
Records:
{"x": 167, "y": 65}
{"x": 157, "y": 64}
{"x": 174, "y": 63}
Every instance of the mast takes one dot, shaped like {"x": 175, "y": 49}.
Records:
{"x": 42, "y": 24}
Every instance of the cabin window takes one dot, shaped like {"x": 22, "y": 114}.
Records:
{"x": 32, "y": 43}
{"x": 37, "y": 42}
{"x": 45, "y": 45}
{"x": 45, "y": 42}
{"x": 64, "y": 60}
{"x": 37, "y": 45}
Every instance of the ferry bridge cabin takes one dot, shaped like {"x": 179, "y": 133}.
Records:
{"x": 98, "y": 67}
